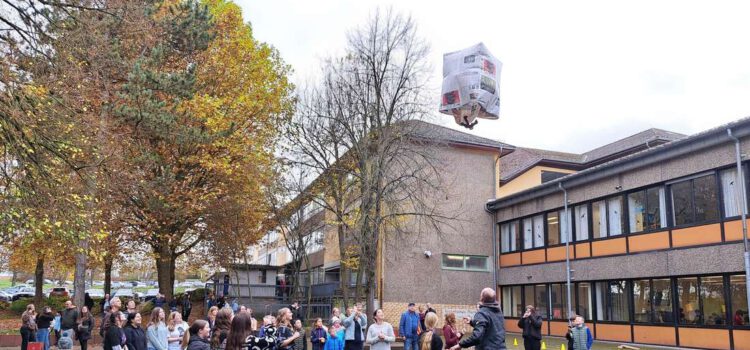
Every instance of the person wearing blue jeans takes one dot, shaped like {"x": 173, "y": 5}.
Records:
{"x": 408, "y": 328}
{"x": 43, "y": 322}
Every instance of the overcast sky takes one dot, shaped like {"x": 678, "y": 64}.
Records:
{"x": 576, "y": 74}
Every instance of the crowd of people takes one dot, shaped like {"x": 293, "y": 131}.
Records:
{"x": 227, "y": 328}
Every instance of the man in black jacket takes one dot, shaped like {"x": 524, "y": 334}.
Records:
{"x": 488, "y": 323}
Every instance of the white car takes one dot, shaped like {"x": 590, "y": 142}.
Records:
{"x": 25, "y": 292}
{"x": 95, "y": 293}
{"x": 125, "y": 293}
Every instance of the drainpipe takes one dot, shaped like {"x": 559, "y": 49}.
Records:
{"x": 567, "y": 246}
{"x": 495, "y": 257}
{"x": 743, "y": 203}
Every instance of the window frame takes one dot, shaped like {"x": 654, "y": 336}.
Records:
{"x": 465, "y": 258}
{"x": 665, "y": 209}
{"x": 719, "y": 204}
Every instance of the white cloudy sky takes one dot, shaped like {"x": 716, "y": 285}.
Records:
{"x": 576, "y": 74}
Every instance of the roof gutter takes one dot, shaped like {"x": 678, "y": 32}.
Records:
{"x": 655, "y": 155}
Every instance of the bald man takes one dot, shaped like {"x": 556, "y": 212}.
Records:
{"x": 488, "y": 323}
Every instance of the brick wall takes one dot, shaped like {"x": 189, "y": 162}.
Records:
{"x": 394, "y": 310}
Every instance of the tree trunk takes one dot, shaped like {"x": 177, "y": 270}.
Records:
{"x": 343, "y": 270}
{"x": 165, "y": 272}
{"x": 107, "y": 275}
{"x": 79, "y": 275}
{"x": 13, "y": 278}
{"x": 39, "y": 282}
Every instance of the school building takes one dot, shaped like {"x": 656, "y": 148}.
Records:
{"x": 656, "y": 243}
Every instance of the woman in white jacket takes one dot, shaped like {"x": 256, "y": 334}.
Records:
{"x": 380, "y": 334}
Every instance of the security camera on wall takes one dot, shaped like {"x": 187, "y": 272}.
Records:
{"x": 427, "y": 253}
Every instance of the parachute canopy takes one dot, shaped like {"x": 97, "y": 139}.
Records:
{"x": 471, "y": 85}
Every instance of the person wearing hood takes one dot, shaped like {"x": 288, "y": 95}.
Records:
{"x": 488, "y": 324}
{"x": 199, "y": 332}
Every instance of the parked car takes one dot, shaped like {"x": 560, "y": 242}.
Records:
{"x": 26, "y": 292}
{"x": 6, "y": 296}
{"x": 125, "y": 294}
{"x": 14, "y": 289}
{"x": 59, "y": 292}
{"x": 95, "y": 293}
{"x": 150, "y": 294}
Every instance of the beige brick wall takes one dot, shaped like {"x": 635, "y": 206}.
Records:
{"x": 394, "y": 310}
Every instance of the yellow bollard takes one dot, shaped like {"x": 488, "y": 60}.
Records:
{"x": 562, "y": 347}
{"x": 515, "y": 341}
{"x": 544, "y": 346}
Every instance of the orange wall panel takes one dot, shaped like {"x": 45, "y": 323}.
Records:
{"x": 733, "y": 230}
{"x": 704, "y": 338}
{"x": 655, "y": 335}
{"x": 510, "y": 259}
{"x": 583, "y": 250}
{"x": 608, "y": 247}
{"x": 512, "y": 326}
{"x": 533, "y": 257}
{"x": 741, "y": 339}
{"x": 559, "y": 328}
{"x": 614, "y": 332}
{"x": 697, "y": 235}
{"x": 649, "y": 241}
{"x": 544, "y": 328}
{"x": 558, "y": 253}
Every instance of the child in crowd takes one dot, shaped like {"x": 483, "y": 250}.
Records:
{"x": 335, "y": 339}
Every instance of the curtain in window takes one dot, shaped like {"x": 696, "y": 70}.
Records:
{"x": 539, "y": 231}
{"x": 566, "y": 227}
{"x": 614, "y": 214}
{"x": 582, "y": 223}
{"x": 600, "y": 219}
{"x": 731, "y": 192}
{"x": 513, "y": 236}
{"x": 505, "y": 238}
{"x": 528, "y": 234}
{"x": 662, "y": 207}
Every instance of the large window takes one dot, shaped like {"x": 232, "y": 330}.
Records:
{"x": 652, "y": 301}
{"x": 533, "y": 232}
{"x": 556, "y": 226}
{"x": 646, "y": 209}
{"x": 510, "y": 237}
{"x": 738, "y": 295}
{"x": 582, "y": 222}
{"x": 612, "y": 301}
{"x": 536, "y": 295}
{"x": 731, "y": 192}
{"x": 465, "y": 262}
{"x": 559, "y": 297}
{"x": 584, "y": 306}
{"x": 687, "y": 294}
{"x": 512, "y": 303}
{"x": 695, "y": 200}
{"x": 712, "y": 299}
{"x": 642, "y": 300}
{"x": 607, "y": 217}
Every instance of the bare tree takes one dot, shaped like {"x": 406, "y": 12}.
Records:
{"x": 373, "y": 101}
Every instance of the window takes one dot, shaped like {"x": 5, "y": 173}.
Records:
{"x": 738, "y": 295}
{"x": 465, "y": 262}
{"x": 533, "y": 232}
{"x": 687, "y": 296}
{"x": 662, "y": 301}
{"x": 536, "y": 295}
{"x": 641, "y": 300}
{"x": 582, "y": 222}
{"x": 553, "y": 228}
{"x": 695, "y": 200}
{"x": 512, "y": 303}
{"x": 509, "y": 237}
{"x": 559, "y": 297}
{"x": 645, "y": 209}
{"x": 712, "y": 299}
{"x": 612, "y": 301}
{"x": 608, "y": 219}
{"x": 583, "y": 308}
{"x": 730, "y": 192}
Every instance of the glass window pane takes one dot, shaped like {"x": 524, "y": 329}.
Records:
{"x": 599, "y": 216}
{"x": 712, "y": 297}
{"x": 515, "y": 236}
{"x": 706, "y": 199}
{"x": 614, "y": 214}
{"x": 528, "y": 234}
{"x": 504, "y": 238}
{"x": 637, "y": 211}
{"x": 476, "y": 263}
{"x": 619, "y": 302}
{"x": 641, "y": 300}
{"x": 662, "y": 301}
{"x": 730, "y": 192}
{"x": 541, "y": 302}
{"x": 582, "y": 223}
{"x": 566, "y": 226}
{"x": 687, "y": 294}
{"x": 539, "y": 231}
{"x": 601, "y": 300}
{"x": 553, "y": 228}
{"x": 507, "y": 301}
{"x": 453, "y": 261}
{"x": 556, "y": 293}
{"x": 655, "y": 215}
{"x": 518, "y": 307}
{"x": 583, "y": 307}
{"x": 738, "y": 295}
{"x": 682, "y": 203}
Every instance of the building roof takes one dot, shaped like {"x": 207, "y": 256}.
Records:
{"x": 524, "y": 158}
{"x": 451, "y": 136}
{"x": 651, "y": 155}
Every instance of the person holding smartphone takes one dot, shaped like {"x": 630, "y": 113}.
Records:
{"x": 531, "y": 324}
